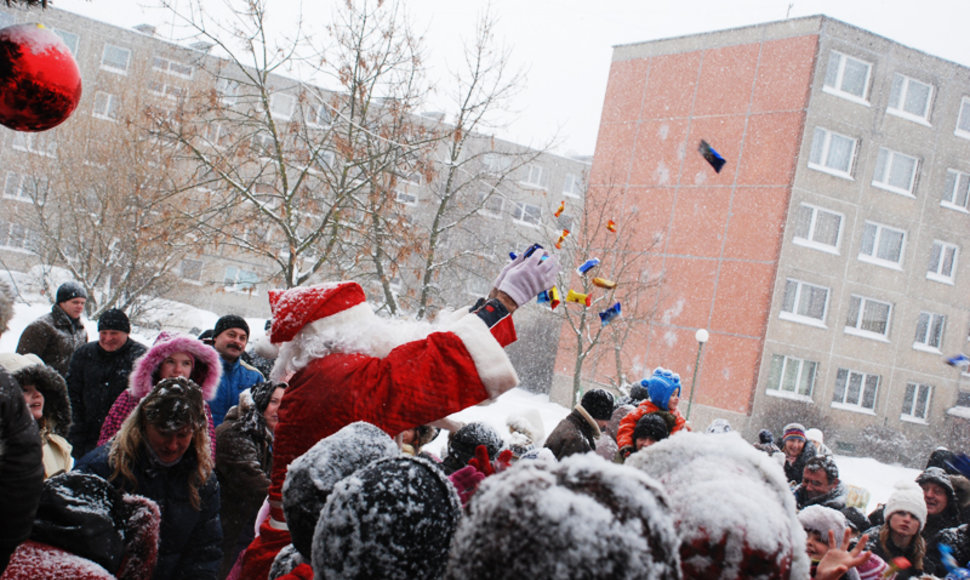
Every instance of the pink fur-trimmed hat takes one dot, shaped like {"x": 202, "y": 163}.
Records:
{"x": 296, "y": 307}
{"x": 206, "y": 373}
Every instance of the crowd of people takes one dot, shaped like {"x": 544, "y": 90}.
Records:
{"x": 184, "y": 460}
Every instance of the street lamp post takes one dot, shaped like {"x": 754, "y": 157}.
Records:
{"x": 701, "y": 335}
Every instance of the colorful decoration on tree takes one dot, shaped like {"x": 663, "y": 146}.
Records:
{"x": 562, "y": 207}
{"x": 40, "y": 83}
{"x": 550, "y": 297}
{"x": 604, "y": 283}
{"x": 587, "y": 266}
{"x": 609, "y": 314}
{"x": 579, "y": 298}
{"x": 712, "y": 156}
{"x": 611, "y": 226}
{"x": 562, "y": 238}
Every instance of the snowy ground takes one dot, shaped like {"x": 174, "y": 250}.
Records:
{"x": 878, "y": 478}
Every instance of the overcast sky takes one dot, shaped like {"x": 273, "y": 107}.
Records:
{"x": 566, "y": 45}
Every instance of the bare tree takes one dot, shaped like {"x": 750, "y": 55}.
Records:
{"x": 106, "y": 208}
{"x": 600, "y": 345}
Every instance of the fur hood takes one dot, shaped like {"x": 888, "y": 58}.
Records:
{"x": 57, "y": 405}
{"x": 206, "y": 374}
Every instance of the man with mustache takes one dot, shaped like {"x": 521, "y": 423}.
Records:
{"x": 229, "y": 338}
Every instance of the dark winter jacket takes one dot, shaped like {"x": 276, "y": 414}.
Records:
{"x": 950, "y": 516}
{"x": 958, "y": 539}
{"x": 576, "y": 433}
{"x": 53, "y": 337}
{"x": 190, "y": 541}
{"x": 793, "y": 470}
{"x": 834, "y": 499}
{"x": 244, "y": 456}
{"x": 892, "y": 552}
{"x": 95, "y": 378}
{"x": 237, "y": 376}
{"x": 21, "y": 470}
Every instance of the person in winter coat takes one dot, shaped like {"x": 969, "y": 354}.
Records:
{"x": 798, "y": 450}
{"x": 98, "y": 373}
{"x": 650, "y": 429}
{"x": 463, "y": 442}
{"x": 46, "y": 396}
{"x": 87, "y": 530}
{"x": 900, "y": 535}
{"x": 349, "y": 365}
{"x": 229, "y": 338}
{"x": 820, "y": 484}
{"x": 818, "y": 521}
{"x": 817, "y": 438}
{"x": 606, "y": 446}
{"x": 579, "y": 430}
{"x": 21, "y": 465}
{"x": 163, "y": 453}
{"x": 663, "y": 387}
{"x": 56, "y": 335}
{"x": 170, "y": 356}
{"x": 244, "y": 455}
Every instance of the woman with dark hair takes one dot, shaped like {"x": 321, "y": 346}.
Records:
{"x": 162, "y": 452}
{"x": 170, "y": 356}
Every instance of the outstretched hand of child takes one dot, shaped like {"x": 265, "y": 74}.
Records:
{"x": 839, "y": 559}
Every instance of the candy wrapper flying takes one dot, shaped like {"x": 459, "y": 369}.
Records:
{"x": 562, "y": 238}
{"x": 960, "y": 360}
{"x": 611, "y": 225}
{"x": 604, "y": 283}
{"x": 587, "y": 266}
{"x": 550, "y": 297}
{"x": 609, "y": 314}
{"x": 578, "y": 298}
{"x": 562, "y": 207}
{"x": 712, "y": 156}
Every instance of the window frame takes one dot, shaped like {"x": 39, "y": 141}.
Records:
{"x": 904, "y": 91}
{"x": 535, "y": 176}
{"x": 520, "y": 210}
{"x": 23, "y": 233}
{"x": 820, "y": 165}
{"x": 486, "y": 201}
{"x": 951, "y": 190}
{"x": 572, "y": 186}
{"x": 73, "y": 46}
{"x": 935, "y": 325}
{"x": 778, "y": 372}
{"x": 170, "y": 66}
{"x": 813, "y": 222}
{"x": 964, "y": 109}
{"x": 196, "y": 264}
{"x": 111, "y": 67}
{"x": 888, "y": 166}
{"x": 242, "y": 282}
{"x": 864, "y": 378}
{"x": 855, "y": 328}
{"x": 935, "y": 274}
{"x": 837, "y": 89}
{"x": 276, "y": 100}
{"x": 793, "y": 315}
{"x": 881, "y": 232}
{"x": 913, "y": 392}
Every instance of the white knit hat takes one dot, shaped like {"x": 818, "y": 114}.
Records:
{"x": 907, "y": 497}
{"x": 821, "y": 519}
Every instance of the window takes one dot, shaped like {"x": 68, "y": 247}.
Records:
{"x": 38, "y": 143}
{"x": 216, "y": 134}
{"x": 573, "y": 186}
{"x": 321, "y": 117}
{"x": 910, "y": 98}
{"x": 855, "y": 389}
{"x": 24, "y": 187}
{"x": 943, "y": 261}
{"x": 115, "y": 58}
{"x": 172, "y": 67}
{"x": 963, "y": 120}
{"x": 929, "y": 331}
{"x": 282, "y": 105}
{"x": 168, "y": 90}
{"x": 105, "y": 106}
{"x": 238, "y": 280}
{"x": 534, "y": 175}
{"x": 14, "y": 236}
{"x": 496, "y": 163}
{"x": 263, "y": 144}
{"x": 832, "y": 153}
{"x": 406, "y": 192}
{"x": 791, "y": 375}
{"x": 847, "y": 77}
{"x": 916, "y": 401}
{"x": 191, "y": 270}
{"x": 228, "y": 91}
{"x": 527, "y": 214}
{"x": 491, "y": 205}
{"x": 818, "y": 228}
{"x": 868, "y": 317}
{"x": 895, "y": 171}
{"x": 882, "y": 245}
{"x": 956, "y": 192}
{"x": 804, "y": 302}
{"x": 69, "y": 38}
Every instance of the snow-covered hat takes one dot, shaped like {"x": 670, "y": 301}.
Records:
{"x": 815, "y": 434}
{"x": 599, "y": 403}
{"x": 732, "y": 504}
{"x": 463, "y": 443}
{"x": 392, "y": 519}
{"x": 296, "y": 307}
{"x": 821, "y": 519}
{"x": 70, "y": 291}
{"x": 583, "y": 517}
{"x": 907, "y": 497}
{"x": 311, "y": 477}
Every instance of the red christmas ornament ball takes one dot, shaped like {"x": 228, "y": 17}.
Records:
{"x": 40, "y": 84}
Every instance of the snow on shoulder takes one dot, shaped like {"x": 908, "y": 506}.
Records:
{"x": 732, "y": 505}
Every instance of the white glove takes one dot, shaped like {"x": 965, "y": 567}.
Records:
{"x": 526, "y": 279}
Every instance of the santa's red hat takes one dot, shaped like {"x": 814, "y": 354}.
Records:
{"x": 296, "y": 307}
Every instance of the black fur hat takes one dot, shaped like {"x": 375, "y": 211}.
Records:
{"x": 599, "y": 404}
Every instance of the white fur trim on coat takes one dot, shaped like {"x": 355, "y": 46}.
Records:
{"x": 492, "y": 362}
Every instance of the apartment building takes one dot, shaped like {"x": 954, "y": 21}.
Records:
{"x": 512, "y": 204}
{"x": 827, "y": 258}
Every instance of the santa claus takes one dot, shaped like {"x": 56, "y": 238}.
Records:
{"x": 345, "y": 364}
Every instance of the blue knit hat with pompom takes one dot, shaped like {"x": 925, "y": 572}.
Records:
{"x": 661, "y": 385}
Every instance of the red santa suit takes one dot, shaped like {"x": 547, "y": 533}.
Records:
{"x": 347, "y": 366}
